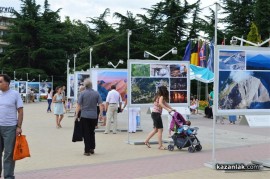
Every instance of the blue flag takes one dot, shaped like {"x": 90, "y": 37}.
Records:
{"x": 210, "y": 62}
{"x": 187, "y": 52}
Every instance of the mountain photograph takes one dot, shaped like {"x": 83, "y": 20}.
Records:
{"x": 244, "y": 90}
{"x": 231, "y": 60}
{"x": 258, "y": 62}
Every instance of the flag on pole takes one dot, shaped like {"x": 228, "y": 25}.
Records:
{"x": 187, "y": 52}
{"x": 202, "y": 55}
{"x": 195, "y": 55}
{"x": 210, "y": 62}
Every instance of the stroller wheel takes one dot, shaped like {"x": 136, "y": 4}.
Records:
{"x": 191, "y": 149}
{"x": 198, "y": 147}
{"x": 179, "y": 147}
{"x": 170, "y": 147}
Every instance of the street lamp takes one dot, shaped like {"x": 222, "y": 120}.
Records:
{"x": 90, "y": 57}
{"x": 14, "y": 75}
{"x": 27, "y": 77}
{"x": 173, "y": 50}
{"x": 38, "y": 78}
{"x": 74, "y": 67}
{"x": 115, "y": 66}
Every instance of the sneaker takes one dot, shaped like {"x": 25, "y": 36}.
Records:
{"x": 105, "y": 133}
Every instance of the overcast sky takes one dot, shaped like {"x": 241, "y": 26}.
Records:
{"x": 81, "y": 9}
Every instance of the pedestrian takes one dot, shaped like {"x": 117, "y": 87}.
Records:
{"x": 11, "y": 118}
{"x": 160, "y": 102}
{"x": 87, "y": 104}
{"x": 64, "y": 97}
{"x": 209, "y": 109}
{"x": 58, "y": 106}
{"x": 49, "y": 99}
{"x": 112, "y": 100}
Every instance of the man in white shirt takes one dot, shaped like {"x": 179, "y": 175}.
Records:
{"x": 11, "y": 117}
{"x": 112, "y": 101}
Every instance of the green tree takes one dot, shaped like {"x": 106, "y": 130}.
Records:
{"x": 262, "y": 14}
{"x": 239, "y": 15}
{"x": 253, "y": 35}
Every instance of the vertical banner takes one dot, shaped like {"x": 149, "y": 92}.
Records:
{"x": 79, "y": 78}
{"x": 145, "y": 76}
{"x": 242, "y": 80}
{"x": 70, "y": 86}
{"x": 103, "y": 79}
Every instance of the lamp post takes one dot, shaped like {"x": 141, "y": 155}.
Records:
{"x": 52, "y": 79}
{"x": 129, "y": 32}
{"x": 90, "y": 57}
{"x": 173, "y": 50}
{"x": 14, "y": 74}
{"x": 27, "y": 77}
{"x": 38, "y": 78}
{"x": 74, "y": 67}
{"x": 115, "y": 66}
{"x": 67, "y": 69}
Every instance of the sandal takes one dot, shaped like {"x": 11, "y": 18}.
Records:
{"x": 147, "y": 144}
{"x": 162, "y": 148}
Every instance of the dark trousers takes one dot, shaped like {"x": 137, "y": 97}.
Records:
{"x": 49, "y": 104}
{"x": 208, "y": 112}
{"x": 88, "y": 126}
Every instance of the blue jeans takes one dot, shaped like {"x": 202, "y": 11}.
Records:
{"x": 49, "y": 104}
{"x": 7, "y": 142}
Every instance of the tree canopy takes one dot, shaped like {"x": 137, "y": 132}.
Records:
{"x": 40, "y": 43}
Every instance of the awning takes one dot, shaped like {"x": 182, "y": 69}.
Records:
{"x": 201, "y": 74}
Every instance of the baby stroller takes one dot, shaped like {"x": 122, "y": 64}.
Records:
{"x": 185, "y": 138}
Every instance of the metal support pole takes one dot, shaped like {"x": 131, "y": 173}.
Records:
{"x": 128, "y": 44}
{"x": 90, "y": 57}
{"x": 74, "y": 66}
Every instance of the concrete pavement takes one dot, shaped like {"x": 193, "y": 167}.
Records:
{"x": 53, "y": 155}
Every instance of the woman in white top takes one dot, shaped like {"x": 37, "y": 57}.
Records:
{"x": 49, "y": 99}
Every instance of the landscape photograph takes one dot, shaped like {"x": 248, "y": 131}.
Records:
{"x": 34, "y": 86}
{"x": 105, "y": 79}
{"x": 244, "y": 90}
{"x": 178, "y": 84}
{"x": 44, "y": 87}
{"x": 140, "y": 70}
{"x": 143, "y": 90}
{"x": 159, "y": 70}
{"x": 231, "y": 60}
{"x": 258, "y": 60}
{"x": 178, "y": 96}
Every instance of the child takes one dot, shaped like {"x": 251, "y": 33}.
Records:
{"x": 68, "y": 105}
{"x": 186, "y": 129}
{"x": 103, "y": 117}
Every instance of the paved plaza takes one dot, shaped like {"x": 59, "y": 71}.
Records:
{"x": 53, "y": 155}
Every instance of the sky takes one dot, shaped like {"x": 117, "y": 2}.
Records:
{"x": 81, "y": 9}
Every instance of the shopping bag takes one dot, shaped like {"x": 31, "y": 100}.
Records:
{"x": 21, "y": 149}
{"x": 77, "y": 132}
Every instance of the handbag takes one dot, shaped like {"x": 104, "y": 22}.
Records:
{"x": 77, "y": 132}
{"x": 21, "y": 148}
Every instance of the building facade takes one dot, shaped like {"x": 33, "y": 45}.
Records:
{"x": 4, "y": 23}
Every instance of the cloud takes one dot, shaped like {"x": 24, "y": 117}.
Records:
{"x": 238, "y": 76}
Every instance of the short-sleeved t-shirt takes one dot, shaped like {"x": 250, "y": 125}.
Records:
{"x": 10, "y": 102}
{"x": 88, "y": 101}
{"x": 212, "y": 98}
